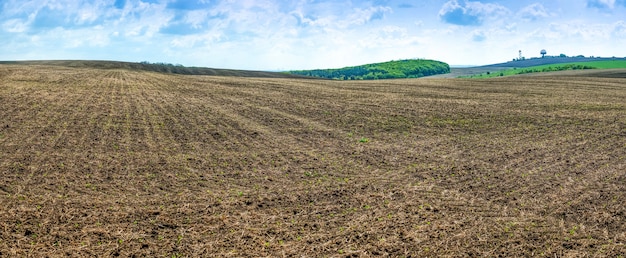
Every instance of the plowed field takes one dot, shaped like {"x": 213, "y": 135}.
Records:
{"x": 98, "y": 162}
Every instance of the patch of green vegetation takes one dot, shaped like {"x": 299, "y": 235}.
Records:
{"x": 613, "y": 64}
{"x": 410, "y": 68}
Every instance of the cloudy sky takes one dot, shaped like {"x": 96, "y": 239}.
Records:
{"x": 307, "y": 34}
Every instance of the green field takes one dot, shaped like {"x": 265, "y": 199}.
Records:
{"x": 615, "y": 64}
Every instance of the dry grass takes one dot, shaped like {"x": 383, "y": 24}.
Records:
{"x": 129, "y": 163}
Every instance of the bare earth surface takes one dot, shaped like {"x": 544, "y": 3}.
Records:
{"x": 128, "y": 163}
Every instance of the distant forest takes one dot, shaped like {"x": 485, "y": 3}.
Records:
{"x": 410, "y": 68}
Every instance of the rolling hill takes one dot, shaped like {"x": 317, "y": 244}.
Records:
{"x": 549, "y": 60}
{"x": 615, "y": 65}
{"x": 410, "y": 68}
{"x": 154, "y": 67}
{"x": 508, "y": 68}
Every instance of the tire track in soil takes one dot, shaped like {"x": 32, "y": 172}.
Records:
{"x": 118, "y": 130}
{"x": 61, "y": 157}
{"x": 150, "y": 135}
{"x": 42, "y": 137}
{"x": 459, "y": 201}
{"x": 174, "y": 122}
{"x": 56, "y": 156}
{"x": 155, "y": 112}
{"x": 527, "y": 182}
{"x": 286, "y": 113}
{"x": 217, "y": 127}
{"x": 288, "y": 143}
{"x": 554, "y": 229}
{"x": 539, "y": 156}
{"x": 584, "y": 183}
{"x": 222, "y": 141}
{"x": 570, "y": 153}
{"x": 268, "y": 148}
{"x": 283, "y": 123}
{"x": 538, "y": 160}
{"x": 232, "y": 103}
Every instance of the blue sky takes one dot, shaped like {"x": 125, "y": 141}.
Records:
{"x": 307, "y": 34}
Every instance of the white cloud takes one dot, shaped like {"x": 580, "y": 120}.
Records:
{"x": 533, "y": 12}
{"x": 191, "y": 41}
{"x": 388, "y": 37}
{"x": 601, "y": 4}
{"x": 478, "y": 36}
{"x": 196, "y": 18}
{"x": 361, "y": 16}
{"x": 142, "y": 19}
{"x": 337, "y": 14}
{"x": 89, "y": 13}
{"x": 619, "y": 30}
{"x": 471, "y": 13}
{"x": 582, "y": 30}
{"x": 15, "y": 25}
{"x": 97, "y": 37}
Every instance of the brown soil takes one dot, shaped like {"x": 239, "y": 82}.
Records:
{"x": 132, "y": 163}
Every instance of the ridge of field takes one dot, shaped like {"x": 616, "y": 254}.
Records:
{"x": 154, "y": 67}
{"x": 612, "y": 64}
{"x": 118, "y": 162}
{"x": 408, "y": 68}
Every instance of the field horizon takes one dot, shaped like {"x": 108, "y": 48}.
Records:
{"x": 127, "y": 162}
{"x": 455, "y": 72}
{"x": 153, "y": 67}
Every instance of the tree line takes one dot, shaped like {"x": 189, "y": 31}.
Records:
{"x": 555, "y": 68}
